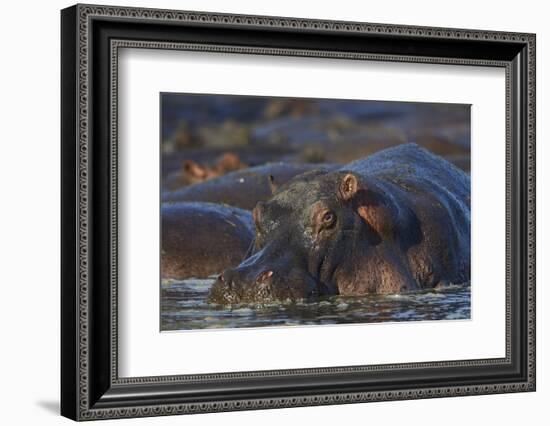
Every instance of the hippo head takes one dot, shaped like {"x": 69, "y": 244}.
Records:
{"x": 304, "y": 234}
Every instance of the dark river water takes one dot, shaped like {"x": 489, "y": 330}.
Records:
{"x": 184, "y": 307}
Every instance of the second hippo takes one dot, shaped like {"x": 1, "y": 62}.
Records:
{"x": 201, "y": 239}
{"x": 243, "y": 188}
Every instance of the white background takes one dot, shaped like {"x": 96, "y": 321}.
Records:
{"x": 140, "y": 343}
{"x": 29, "y": 225}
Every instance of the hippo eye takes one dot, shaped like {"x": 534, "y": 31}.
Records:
{"x": 328, "y": 218}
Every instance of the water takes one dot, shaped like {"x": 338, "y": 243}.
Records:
{"x": 184, "y": 307}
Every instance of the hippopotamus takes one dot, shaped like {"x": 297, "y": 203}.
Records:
{"x": 202, "y": 239}
{"x": 396, "y": 221}
{"x": 194, "y": 172}
{"x": 243, "y": 188}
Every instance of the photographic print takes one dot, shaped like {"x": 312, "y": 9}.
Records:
{"x": 292, "y": 211}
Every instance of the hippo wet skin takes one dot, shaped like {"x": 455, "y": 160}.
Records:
{"x": 243, "y": 188}
{"x": 221, "y": 236}
{"x": 396, "y": 221}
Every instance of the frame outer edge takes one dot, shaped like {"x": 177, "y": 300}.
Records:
{"x": 531, "y": 201}
{"x": 83, "y": 12}
{"x": 83, "y": 83}
{"x": 69, "y": 287}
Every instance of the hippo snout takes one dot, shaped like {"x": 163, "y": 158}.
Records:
{"x": 242, "y": 286}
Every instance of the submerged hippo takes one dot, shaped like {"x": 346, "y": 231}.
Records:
{"x": 396, "y": 221}
{"x": 194, "y": 172}
{"x": 201, "y": 239}
{"x": 243, "y": 188}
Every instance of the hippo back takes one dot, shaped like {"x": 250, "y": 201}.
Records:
{"x": 414, "y": 167}
{"x": 201, "y": 239}
{"x": 243, "y": 188}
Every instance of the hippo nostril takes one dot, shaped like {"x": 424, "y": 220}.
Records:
{"x": 264, "y": 276}
{"x": 227, "y": 278}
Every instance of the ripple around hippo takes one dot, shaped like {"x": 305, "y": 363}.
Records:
{"x": 185, "y": 307}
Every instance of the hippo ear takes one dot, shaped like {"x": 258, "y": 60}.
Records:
{"x": 229, "y": 162}
{"x": 193, "y": 169}
{"x": 348, "y": 186}
{"x": 272, "y": 185}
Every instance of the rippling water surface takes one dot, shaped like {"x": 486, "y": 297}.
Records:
{"x": 184, "y": 307}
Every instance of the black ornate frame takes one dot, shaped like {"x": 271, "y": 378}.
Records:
{"x": 91, "y": 37}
